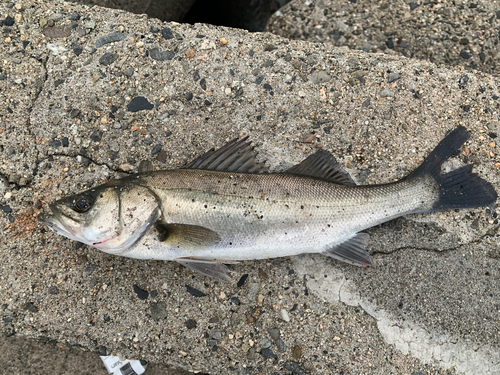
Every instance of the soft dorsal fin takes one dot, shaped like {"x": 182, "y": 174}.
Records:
{"x": 322, "y": 165}
{"x": 235, "y": 156}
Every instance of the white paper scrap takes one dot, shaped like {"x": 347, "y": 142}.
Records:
{"x": 117, "y": 366}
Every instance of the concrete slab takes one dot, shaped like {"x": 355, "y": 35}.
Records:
{"x": 90, "y": 96}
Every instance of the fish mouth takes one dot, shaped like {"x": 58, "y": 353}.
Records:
{"x": 58, "y": 222}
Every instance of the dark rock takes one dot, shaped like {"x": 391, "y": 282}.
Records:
{"x": 154, "y": 29}
{"x": 55, "y": 143}
{"x": 268, "y": 64}
{"x": 389, "y": 43}
{"x": 189, "y": 96}
{"x": 53, "y": 290}
{"x": 162, "y": 156}
{"x": 29, "y": 306}
{"x": 236, "y": 301}
{"x": 191, "y": 323}
{"x": 413, "y": 5}
{"x": 108, "y": 58}
{"x": 281, "y": 345}
{"x": 167, "y": 33}
{"x": 156, "y": 149}
{"x": 207, "y": 102}
{"x": 196, "y": 76}
{"x": 464, "y": 55}
{"x": 203, "y": 84}
{"x": 242, "y": 280}
{"x": 74, "y": 16}
{"x": 77, "y": 50}
{"x": 96, "y": 136}
{"x": 156, "y": 54}
{"x": 268, "y": 353}
{"x": 139, "y": 103}
{"x": 158, "y": 310}
{"x": 259, "y": 80}
{"x": 393, "y": 77}
{"x": 8, "y": 21}
{"x": 141, "y": 293}
{"x": 274, "y": 332}
{"x": 65, "y": 141}
{"x": 74, "y": 113}
{"x": 194, "y": 292}
{"x": 267, "y": 86}
{"x": 110, "y": 38}
{"x": 294, "y": 368}
{"x": 7, "y": 209}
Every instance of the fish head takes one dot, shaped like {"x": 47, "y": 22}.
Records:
{"x": 110, "y": 217}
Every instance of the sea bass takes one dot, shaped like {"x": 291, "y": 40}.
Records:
{"x": 225, "y": 207}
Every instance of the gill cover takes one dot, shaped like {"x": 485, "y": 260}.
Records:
{"x": 110, "y": 217}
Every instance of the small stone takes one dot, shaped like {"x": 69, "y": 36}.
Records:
{"x": 309, "y": 138}
{"x": 74, "y": 113}
{"x": 158, "y": 310}
{"x": 464, "y": 55}
{"x": 393, "y": 77}
{"x": 245, "y": 348}
{"x": 222, "y": 41}
{"x": 65, "y": 141}
{"x": 190, "y": 53}
{"x": 74, "y": 16}
{"x": 268, "y": 87}
{"x": 265, "y": 342}
{"x": 8, "y": 21}
{"x": 320, "y": 77}
{"x": 203, "y": 84}
{"x": 158, "y": 55}
{"x": 162, "y": 156}
{"x": 268, "y": 353}
{"x": 386, "y": 93}
{"x": 156, "y": 149}
{"x": 296, "y": 352}
{"x": 242, "y": 280}
{"x": 77, "y": 50}
{"x": 492, "y": 144}
{"x": 55, "y": 143}
{"x": 194, "y": 292}
{"x": 281, "y": 345}
{"x": 141, "y": 293}
{"x": 96, "y": 136}
{"x": 139, "y": 103}
{"x": 212, "y": 342}
{"x": 294, "y": 368}
{"x": 274, "y": 333}
{"x": 262, "y": 274}
{"x": 268, "y": 64}
{"x": 129, "y": 72}
{"x": 284, "y": 315}
{"x": 29, "y": 306}
{"x": 251, "y": 354}
{"x": 57, "y": 31}
{"x": 166, "y": 32}
{"x": 110, "y": 38}
{"x": 413, "y": 5}
{"x": 108, "y": 58}
{"x": 191, "y": 323}
{"x": 216, "y": 334}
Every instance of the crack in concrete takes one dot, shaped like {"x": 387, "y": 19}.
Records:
{"x": 408, "y": 337}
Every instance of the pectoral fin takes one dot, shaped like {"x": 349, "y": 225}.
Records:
{"x": 189, "y": 237}
{"x": 352, "y": 251}
{"x": 206, "y": 267}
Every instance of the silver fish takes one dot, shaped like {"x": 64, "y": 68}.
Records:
{"x": 225, "y": 207}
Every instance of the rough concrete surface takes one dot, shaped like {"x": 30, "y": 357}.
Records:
{"x": 457, "y": 32}
{"x": 88, "y": 93}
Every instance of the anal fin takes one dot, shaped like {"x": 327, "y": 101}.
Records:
{"x": 352, "y": 251}
{"x": 210, "y": 268}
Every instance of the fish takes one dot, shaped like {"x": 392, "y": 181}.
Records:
{"x": 225, "y": 207}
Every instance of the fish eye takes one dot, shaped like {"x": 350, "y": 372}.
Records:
{"x": 83, "y": 203}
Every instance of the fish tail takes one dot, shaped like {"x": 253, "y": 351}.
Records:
{"x": 460, "y": 188}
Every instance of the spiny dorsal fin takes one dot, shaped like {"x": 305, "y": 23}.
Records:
{"x": 322, "y": 165}
{"x": 235, "y": 156}
{"x": 190, "y": 237}
{"x": 352, "y": 251}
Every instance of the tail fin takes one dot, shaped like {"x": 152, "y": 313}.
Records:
{"x": 459, "y": 188}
